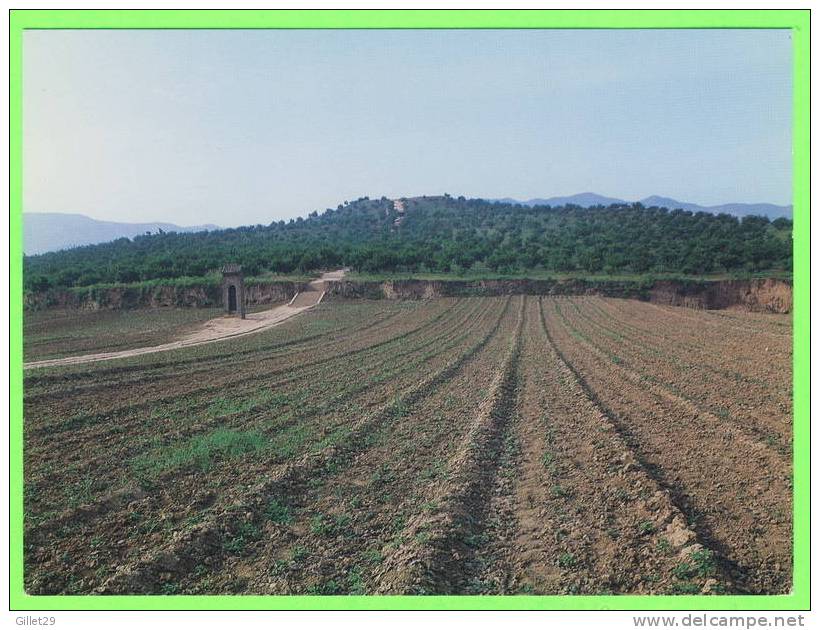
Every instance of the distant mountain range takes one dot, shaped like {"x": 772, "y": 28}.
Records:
{"x": 585, "y": 200}
{"x": 52, "y": 231}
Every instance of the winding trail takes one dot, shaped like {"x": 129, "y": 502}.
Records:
{"x": 216, "y": 329}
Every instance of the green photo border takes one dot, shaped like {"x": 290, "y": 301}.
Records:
{"x": 795, "y": 20}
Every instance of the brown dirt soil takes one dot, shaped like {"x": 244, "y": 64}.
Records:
{"x": 677, "y": 370}
{"x": 56, "y": 333}
{"x": 734, "y": 490}
{"x": 462, "y": 445}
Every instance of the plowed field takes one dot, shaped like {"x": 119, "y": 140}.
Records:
{"x": 477, "y": 445}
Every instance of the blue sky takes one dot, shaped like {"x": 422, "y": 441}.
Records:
{"x": 242, "y": 127}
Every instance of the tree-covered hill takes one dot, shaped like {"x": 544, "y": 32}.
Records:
{"x": 440, "y": 234}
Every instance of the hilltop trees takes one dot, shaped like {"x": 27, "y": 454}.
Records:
{"x": 441, "y": 234}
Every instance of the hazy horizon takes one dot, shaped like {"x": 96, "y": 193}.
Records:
{"x": 246, "y": 127}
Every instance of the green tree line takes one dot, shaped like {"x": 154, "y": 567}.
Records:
{"x": 440, "y": 234}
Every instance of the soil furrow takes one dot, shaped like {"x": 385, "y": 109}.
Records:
{"x": 579, "y": 513}
{"x": 437, "y": 557}
{"x": 723, "y": 355}
{"x": 348, "y": 518}
{"x": 82, "y": 432}
{"x": 685, "y": 384}
{"x": 343, "y": 389}
{"x": 190, "y": 547}
{"x": 241, "y": 353}
{"x": 736, "y": 497}
{"x": 527, "y": 445}
{"x": 366, "y": 392}
{"x": 141, "y": 398}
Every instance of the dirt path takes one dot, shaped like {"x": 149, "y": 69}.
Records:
{"x": 215, "y": 329}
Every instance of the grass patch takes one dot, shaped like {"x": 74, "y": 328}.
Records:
{"x": 567, "y": 561}
{"x": 278, "y": 512}
{"x": 398, "y": 408}
{"x": 247, "y": 533}
{"x": 700, "y": 564}
{"x": 646, "y": 527}
{"x": 298, "y": 553}
{"x": 355, "y": 582}
{"x": 81, "y": 492}
{"x": 435, "y": 471}
{"x": 474, "y": 541}
{"x": 200, "y": 451}
{"x": 704, "y": 563}
{"x": 328, "y": 587}
{"x": 335, "y": 525}
{"x": 321, "y": 525}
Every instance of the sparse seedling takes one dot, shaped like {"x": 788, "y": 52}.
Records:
{"x": 245, "y": 534}
{"x": 328, "y": 587}
{"x": 320, "y": 525}
{"x": 703, "y": 563}
{"x": 421, "y": 446}
{"x": 476, "y": 540}
{"x": 278, "y": 512}
{"x": 373, "y": 556}
{"x": 355, "y": 582}
{"x": 298, "y": 553}
{"x": 682, "y": 570}
{"x": 646, "y": 527}
{"x": 567, "y": 561}
{"x": 559, "y": 491}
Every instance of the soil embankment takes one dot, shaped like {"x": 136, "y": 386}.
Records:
{"x": 135, "y": 296}
{"x": 761, "y": 295}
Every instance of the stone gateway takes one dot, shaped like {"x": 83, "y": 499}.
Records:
{"x": 233, "y": 289}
